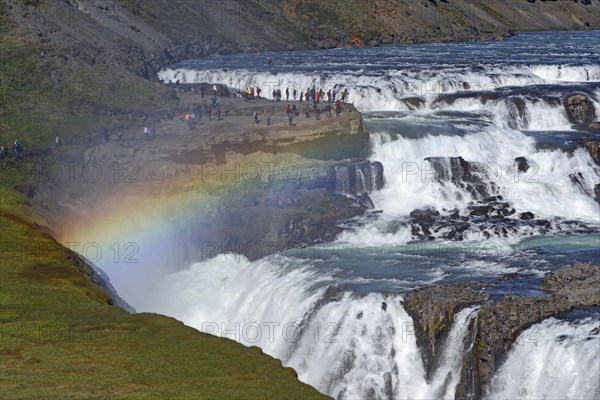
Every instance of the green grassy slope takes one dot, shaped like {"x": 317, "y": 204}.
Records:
{"x": 59, "y": 337}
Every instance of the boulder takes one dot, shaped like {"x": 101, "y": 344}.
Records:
{"x": 522, "y": 164}
{"x": 479, "y": 211}
{"x": 580, "y": 109}
{"x": 527, "y": 216}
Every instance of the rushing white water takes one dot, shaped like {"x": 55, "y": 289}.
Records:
{"x": 384, "y": 92}
{"x": 552, "y": 360}
{"x": 411, "y": 179}
{"x": 564, "y": 73}
{"x": 339, "y": 319}
{"x": 345, "y": 345}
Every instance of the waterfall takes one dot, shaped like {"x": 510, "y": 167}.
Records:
{"x": 552, "y": 360}
{"x": 345, "y": 345}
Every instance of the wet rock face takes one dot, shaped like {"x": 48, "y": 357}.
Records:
{"x": 432, "y": 310}
{"x": 517, "y": 109}
{"x": 594, "y": 127}
{"x": 469, "y": 176}
{"x": 321, "y": 224}
{"x": 498, "y": 324}
{"x": 594, "y": 149}
{"x": 358, "y": 178}
{"x": 281, "y": 221}
{"x": 580, "y": 283}
{"x": 585, "y": 187}
{"x": 580, "y": 109}
{"x": 414, "y": 103}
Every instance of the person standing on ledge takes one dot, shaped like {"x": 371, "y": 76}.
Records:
{"x": 17, "y": 149}
{"x": 255, "y": 118}
{"x": 345, "y": 96}
{"x": 338, "y": 108}
{"x": 268, "y": 119}
{"x": 290, "y": 114}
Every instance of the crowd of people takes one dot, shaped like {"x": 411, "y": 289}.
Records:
{"x": 311, "y": 94}
{"x": 332, "y": 99}
{"x": 320, "y": 96}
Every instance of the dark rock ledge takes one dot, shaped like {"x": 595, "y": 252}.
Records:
{"x": 498, "y": 324}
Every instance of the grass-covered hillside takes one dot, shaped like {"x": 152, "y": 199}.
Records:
{"x": 60, "y": 339}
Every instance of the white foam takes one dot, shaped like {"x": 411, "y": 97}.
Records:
{"x": 567, "y": 73}
{"x": 384, "y": 90}
{"x": 343, "y": 345}
{"x": 547, "y": 190}
{"x": 552, "y": 360}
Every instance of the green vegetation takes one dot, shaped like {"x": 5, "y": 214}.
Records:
{"x": 22, "y": 84}
{"x": 352, "y": 16}
{"x": 61, "y": 339}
